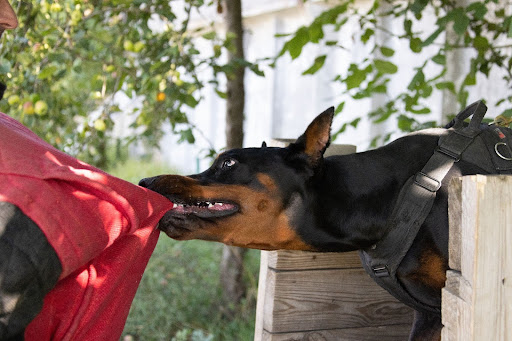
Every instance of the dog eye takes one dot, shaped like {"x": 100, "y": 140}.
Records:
{"x": 228, "y": 163}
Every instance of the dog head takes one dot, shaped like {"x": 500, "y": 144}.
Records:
{"x": 250, "y": 197}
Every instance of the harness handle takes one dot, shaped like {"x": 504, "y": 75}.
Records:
{"x": 476, "y": 109}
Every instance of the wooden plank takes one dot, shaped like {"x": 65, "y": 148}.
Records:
{"x": 329, "y": 299}
{"x": 455, "y": 308}
{"x": 384, "y": 333}
{"x": 492, "y": 312}
{"x": 303, "y": 260}
{"x": 263, "y": 290}
{"x": 455, "y": 219}
{"x": 477, "y": 301}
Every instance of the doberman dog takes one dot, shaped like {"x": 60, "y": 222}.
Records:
{"x": 293, "y": 198}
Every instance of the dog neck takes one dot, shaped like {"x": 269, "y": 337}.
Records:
{"x": 354, "y": 195}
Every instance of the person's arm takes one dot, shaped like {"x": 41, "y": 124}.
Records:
{"x": 29, "y": 269}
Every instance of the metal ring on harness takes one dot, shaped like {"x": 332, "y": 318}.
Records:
{"x": 498, "y": 153}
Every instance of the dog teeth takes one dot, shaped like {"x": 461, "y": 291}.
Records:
{"x": 201, "y": 204}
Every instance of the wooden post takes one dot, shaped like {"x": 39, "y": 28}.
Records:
{"x": 324, "y": 296}
{"x": 477, "y": 299}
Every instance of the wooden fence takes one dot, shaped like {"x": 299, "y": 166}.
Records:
{"x": 477, "y": 298}
{"x": 318, "y": 296}
{"x": 314, "y": 296}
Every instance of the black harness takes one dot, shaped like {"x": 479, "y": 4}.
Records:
{"x": 487, "y": 146}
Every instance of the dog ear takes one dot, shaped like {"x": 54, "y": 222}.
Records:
{"x": 264, "y": 144}
{"x": 316, "y": 138}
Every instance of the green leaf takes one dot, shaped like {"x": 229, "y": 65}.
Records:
{"x": 462, "y": 98}
{"x": 294, "y": 46}
{"x": 460, "y": 21}
{"x": 386, "y": 51}
{"x": 191, "y": 101}
{"x": 408, "y": 27}
{"x": 470, "y": 79}
{"x": 433, "y": 37}
{"x": 418, "y": 6}
{"x": 421, "y": 111}
{"x": 356, "y": 76}
{"x": 405, "y": 123}
{"x": 415, "y": 44}
{"x": 355, "y": 122}
{"x": 5, "y": 66}
{"x": 221, "y": 94}
{"x": 500, "y": 13}
{"x": 121, "y": 81}
{"x": 368, "y": 33}
{"x": 385, "y": 66}
{"x": 339, "y": 108}
{"x": 187, "y": 135}
{"x": 417, "y": 81}
{"x": 331, "y": 15}
{"x": 210, "y": 35}
{"x": 446, "y": 86}
{"x": 256, "y": 69}
{"x": 439, "y": 59}
{"x": 315, "y": 32}
{"x": 47, "y": 72}
{"x": 481, "y": 43}
{"x": 317, "y": 65}
{"x": 479, "y": 10}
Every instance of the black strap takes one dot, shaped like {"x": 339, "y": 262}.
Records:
{"x": 414, "y": 204}
{"x": 477, "y": 109}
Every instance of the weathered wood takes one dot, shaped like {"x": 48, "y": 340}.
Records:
{"x": 303, "y": 260}
{"x": 455, "y": 219}
{"x": 384, "y": 333}
{"x": 477, "y": 299}
{"x": 262, "y": 293}
{"x": 329, "y": 299}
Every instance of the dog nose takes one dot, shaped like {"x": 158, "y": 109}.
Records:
{"x": 146, "y": 182}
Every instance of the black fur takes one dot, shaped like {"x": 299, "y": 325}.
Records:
{"x": 342, "y": 203}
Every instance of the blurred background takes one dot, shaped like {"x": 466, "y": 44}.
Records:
{"x": 140, "y": 88}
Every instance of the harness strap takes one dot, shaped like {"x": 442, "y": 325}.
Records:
{"x": 413, "y": 205}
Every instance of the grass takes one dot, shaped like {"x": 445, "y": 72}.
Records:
{"x": 179, "y": 298}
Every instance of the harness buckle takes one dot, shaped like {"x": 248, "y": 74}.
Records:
{"x": 448, "y": 153}
{"x": 498, "y": 152}
{"x": 426, "y": 181}
{"x": 380, "y": 271}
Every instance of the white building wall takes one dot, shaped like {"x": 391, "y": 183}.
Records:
{"x": 281, "y": 104}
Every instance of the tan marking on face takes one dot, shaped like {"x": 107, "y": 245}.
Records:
{"x": 262, "y": 205}
{"x": 252, "y": 227}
